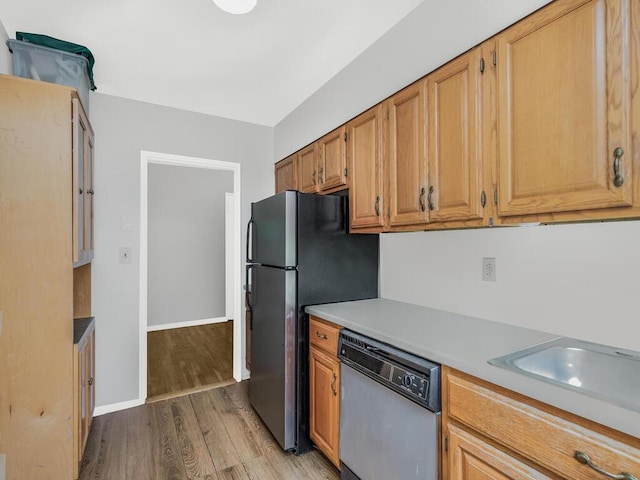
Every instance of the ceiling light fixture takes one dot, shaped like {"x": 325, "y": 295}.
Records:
{"x": 237, "y": 7}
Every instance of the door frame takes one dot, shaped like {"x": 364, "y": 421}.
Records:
{"x": 147, "y": 158}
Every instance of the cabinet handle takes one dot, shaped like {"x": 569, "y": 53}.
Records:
{"x": 80, "y": 191}
{"x": 585, "y": 460}
{"x": 377, "y": 206}
{"x": 421, "y": 199}
{"x": 90, "y": 191}
{"x": 618, "y": 179}
{"x": 333, "y": 386}
{"x": 321, "y": 175}
{"x": 429, "y": 202}
{"x": 321, "y": 335}
{"x": 483, "y": 199}
{"x": 313, "y": 177}
{"x": 90, "y": 381}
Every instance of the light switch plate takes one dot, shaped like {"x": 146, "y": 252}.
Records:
{"x": 125, "y": 254}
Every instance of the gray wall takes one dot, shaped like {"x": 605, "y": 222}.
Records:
{"x": 576, "y": 280}
{"x": 124, "y": 128}
{"x": 5, "y": 56}
{"x": 429, "y": 36}
{"x": 186, "y": 243}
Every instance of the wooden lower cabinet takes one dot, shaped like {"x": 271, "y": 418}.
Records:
{"x": 325, "y": 403}
{"x": 83, "y": 392}
{"x": 324, "y": 388}
{"x": 490, "y": 432}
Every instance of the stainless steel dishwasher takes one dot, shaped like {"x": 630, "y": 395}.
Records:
{"x": 389, "y": 411}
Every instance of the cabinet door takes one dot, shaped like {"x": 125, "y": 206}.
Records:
{"x": 455, "y": 163}
{"x": 364, "y": 157}
{"x": 407, "y": 156}
{"x": 564, "y": 95}
{"x": 286, "y": 174}
{"x": 308, "y": 164}
{"x": 324, "y": 386}
{"x": 82, "y": 359}
{"x": 91, "y": 374}
{"x": 470, "y": 458}
{"x": 332, "y": 160}
{"x": 82, "y": 185}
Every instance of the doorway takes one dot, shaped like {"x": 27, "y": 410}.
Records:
{"x": 187, "y": 328}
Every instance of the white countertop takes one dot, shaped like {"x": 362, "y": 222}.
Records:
{"x": 467, "y": 343}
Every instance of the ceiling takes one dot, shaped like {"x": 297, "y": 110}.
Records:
{"x": 189, "y": 54}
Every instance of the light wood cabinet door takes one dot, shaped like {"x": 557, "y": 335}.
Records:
{"x": 308, "y": 165}
{"x": 286, "y": 173}
{"x": 332, "y": 160}
{"x": 324, "y": 385}
{"x": 407, "y": 161}
{"x": 364, "y": 157}
{"x": 82, "y": 184}
{"x": 470, "y": 458}
{"x": 455, "y": 153}
{"x": 564, "y": 96}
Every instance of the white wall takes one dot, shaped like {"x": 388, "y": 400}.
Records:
{"x": 6, "y": 65}
{"x": 186, "y": 243}
{"x": 124, "y": 128}
{"x": 579, "y": 280}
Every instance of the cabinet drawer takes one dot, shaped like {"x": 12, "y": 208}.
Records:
{"x": 546, "y": 439}
{"x": 324, "y": 335}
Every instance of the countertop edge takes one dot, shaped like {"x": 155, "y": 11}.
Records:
{"x": 590, "y": 408}
{"x": 81, "y": 329}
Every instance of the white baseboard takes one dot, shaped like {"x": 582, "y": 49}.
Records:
{"x": 115, "y": 407}
{"x": 190, "y": 323}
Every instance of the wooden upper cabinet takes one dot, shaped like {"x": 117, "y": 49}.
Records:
{"x": 308, "y": 166}
{"x": 407, "y": 161}
{"x": 364, "y": 157}
{"x": 332, "y": 160}
{"x": 455, "y": 154}
{"x": 563, "y": 107}
{"x": 82, "y": 184}
{"x": 287, "y": 174}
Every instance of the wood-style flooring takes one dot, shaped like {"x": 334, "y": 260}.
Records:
{"x": 210, "y": 435}
{"x": 189, "y": 359}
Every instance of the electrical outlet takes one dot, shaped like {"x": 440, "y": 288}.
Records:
{"x": 489, "y": 269}
{"x": 125, "y": 254}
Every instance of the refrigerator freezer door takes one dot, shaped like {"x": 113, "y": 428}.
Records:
{"x": 272, "y": 389}
{"x": 273, "y": 230}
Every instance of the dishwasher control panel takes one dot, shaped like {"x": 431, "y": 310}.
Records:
{"x": 413, "y": 377}
{"x": 410, "y": 381}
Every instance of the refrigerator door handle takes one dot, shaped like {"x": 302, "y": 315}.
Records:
{"x": 249, "y": 231}
{"x": 249, "y": 293}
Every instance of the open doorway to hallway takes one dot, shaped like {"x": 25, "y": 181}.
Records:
{"x": 189, "y": 279}
{"x": 190, "y": 339}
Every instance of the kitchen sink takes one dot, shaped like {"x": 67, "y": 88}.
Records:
{"x": 608, "y": 373}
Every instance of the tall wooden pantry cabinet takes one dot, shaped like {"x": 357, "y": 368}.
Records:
{"x": 46, "y": 219}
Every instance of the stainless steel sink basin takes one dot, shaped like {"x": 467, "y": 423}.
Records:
{"x": 608, "y": 373}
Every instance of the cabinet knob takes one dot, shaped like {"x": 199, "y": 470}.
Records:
{"x": 90, "y": 191}
{"x": 80, "y": 191}
{"x": 90, "y": 381}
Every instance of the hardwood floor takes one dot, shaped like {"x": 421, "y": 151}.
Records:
{"x": 211, "y": 435}
{"x": 189, "y": 359}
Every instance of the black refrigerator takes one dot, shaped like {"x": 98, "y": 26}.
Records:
{"x": 299, "y": 253}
